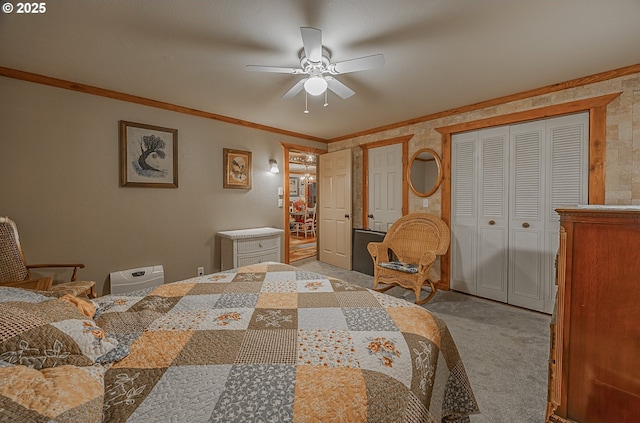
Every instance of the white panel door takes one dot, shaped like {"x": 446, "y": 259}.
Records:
{"x": 493, "y": 216}
{"x": 526, "y": 223}
{"x": 334, "y": 218}
{"x": 464, "y": 219}
{"x": 385, "y": 186}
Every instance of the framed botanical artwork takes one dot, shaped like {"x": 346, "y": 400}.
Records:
{"x": 148, "y": 156}
{"x": 294, "y": 187}
{"x": 236, "y": 169}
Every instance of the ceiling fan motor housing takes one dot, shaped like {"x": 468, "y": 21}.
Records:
{"x": 309, "y": 66}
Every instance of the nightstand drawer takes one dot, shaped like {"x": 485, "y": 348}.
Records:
{"x": 258, "y": 244}
{"x": 246, "y": 259}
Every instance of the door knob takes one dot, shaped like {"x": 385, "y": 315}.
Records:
{"x": 346, "y": 216}
{"x": 525, "y": 225}
{"x": 492, "y": 222}
{"x": 371, "y": 216}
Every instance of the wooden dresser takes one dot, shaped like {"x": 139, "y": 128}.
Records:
{"x": 249, "y": 246}
{"x": 594, "y": 368}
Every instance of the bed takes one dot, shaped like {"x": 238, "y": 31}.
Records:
{"x": 261, "y": 343}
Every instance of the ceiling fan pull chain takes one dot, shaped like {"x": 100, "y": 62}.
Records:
{"x": 306, "y": 102}
{"x": 326, "y": 102}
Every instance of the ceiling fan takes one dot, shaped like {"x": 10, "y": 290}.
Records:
{"x": 315, "y": 62}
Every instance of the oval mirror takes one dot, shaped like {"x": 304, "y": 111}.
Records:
{"x": 425, "y": 172}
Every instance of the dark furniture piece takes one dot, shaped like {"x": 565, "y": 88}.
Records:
{"x": 594, "y": 374}
{"x": 360, "y": 257}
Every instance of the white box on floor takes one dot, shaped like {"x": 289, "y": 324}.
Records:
{"x": 134, "y": 279}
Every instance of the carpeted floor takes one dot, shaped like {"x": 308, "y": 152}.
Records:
{"x": 505, "y": 349}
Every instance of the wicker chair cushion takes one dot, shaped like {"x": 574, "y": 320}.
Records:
{"x": 400, "y": 266}
{"x": 12, "y": 267}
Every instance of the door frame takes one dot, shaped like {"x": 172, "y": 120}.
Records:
{"x": 286, "y": 148}
{"x": 597, "y": 108}
{"x": 365, "y": 173}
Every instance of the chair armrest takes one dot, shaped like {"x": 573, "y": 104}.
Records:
{"x": 75, "y": 267}
{"x": 378, "y": 249}
{"x": 426, "y": 261}
{"x": 42, "y": 284}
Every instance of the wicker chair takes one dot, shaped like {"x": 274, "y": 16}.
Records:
{"x": 407, "y": 253}
{"x": 15, "y": 272}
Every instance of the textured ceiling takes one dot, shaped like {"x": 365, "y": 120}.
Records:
{"x": 439, "y": 54}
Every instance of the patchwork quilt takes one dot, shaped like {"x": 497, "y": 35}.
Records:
{"x": 272, "y": 343}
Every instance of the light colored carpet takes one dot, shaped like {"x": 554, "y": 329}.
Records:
{"x": 505, "y": 349}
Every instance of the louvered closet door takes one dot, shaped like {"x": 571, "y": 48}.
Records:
{"x": 526, "y": 221}
{"x": 506, "y": 183}
{"x": 464, "y": 219}
{"x": 567, "y": 176}
{"x": 493, "y": 216}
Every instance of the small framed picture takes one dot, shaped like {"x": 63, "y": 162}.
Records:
{"x": 148, "y": 156}
{"x": 237, "y": 169}
{"x": 294, "y": 186}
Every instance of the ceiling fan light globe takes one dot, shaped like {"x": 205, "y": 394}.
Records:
{"x": 315, "y": 85}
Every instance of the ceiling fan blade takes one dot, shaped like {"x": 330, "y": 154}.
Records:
{"x": 339, "y": 88}
{"x": 295, "y": 89}
{"x": 359, "y": 64}
{"x": 274, "y": 69}
{"x": 312, "y": 42}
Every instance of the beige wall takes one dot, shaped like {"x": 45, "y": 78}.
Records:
{"x": 60, "y": 183}
{"x": 622, "y": 182}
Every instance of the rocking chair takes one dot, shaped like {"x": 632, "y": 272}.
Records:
{"x": 407, "y": 253}
{"x": 15, "y": 272}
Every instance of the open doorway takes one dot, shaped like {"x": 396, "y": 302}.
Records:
{"x": 303, "y": 202}
{"x": 300, "y": 202}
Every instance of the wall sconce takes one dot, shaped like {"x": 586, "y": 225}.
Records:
{"x": 274, "y": 166}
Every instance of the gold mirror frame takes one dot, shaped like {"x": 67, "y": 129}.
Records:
{"x": 436, "y": 184}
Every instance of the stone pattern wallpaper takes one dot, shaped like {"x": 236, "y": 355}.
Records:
{"x": 622, "y": 183}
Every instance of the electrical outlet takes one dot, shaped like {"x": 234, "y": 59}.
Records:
{"x": 200, "y": 271}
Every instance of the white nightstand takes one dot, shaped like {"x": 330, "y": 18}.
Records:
{"x": 249, "y": 246}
